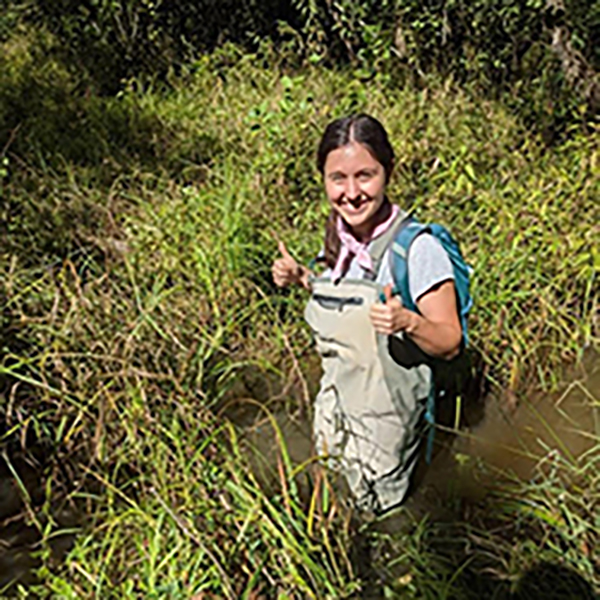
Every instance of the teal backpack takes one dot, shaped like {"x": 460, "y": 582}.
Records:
{"x": 409, "y": 230}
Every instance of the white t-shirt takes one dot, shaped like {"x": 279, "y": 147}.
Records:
{"x": 428, "y": 266}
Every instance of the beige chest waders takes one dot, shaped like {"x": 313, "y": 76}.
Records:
{"x": 368, "y": 406}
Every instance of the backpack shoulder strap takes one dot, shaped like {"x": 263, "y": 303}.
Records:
{"x": 403, "y": 240}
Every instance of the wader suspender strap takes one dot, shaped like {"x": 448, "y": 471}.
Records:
{"x": 377, "y": 252}
{"x": 381, "y": 244}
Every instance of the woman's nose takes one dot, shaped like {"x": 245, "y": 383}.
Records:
{"x": 352, "y": 189}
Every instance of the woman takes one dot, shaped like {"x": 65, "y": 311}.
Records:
{"x": 370, "y": 405}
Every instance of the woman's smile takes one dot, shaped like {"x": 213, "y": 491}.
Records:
{"x": 356, "y": 203}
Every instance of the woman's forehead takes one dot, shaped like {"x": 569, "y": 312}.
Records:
{"x": 352, "y": 155}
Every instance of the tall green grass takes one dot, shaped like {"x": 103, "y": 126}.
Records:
{"x": 135, "y": 279}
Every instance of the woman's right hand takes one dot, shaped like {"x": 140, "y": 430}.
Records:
{"x": 285, "y": 269}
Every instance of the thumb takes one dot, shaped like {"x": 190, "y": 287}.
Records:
{"x": 387, "y": 290}
{"x": 283, "y": 250}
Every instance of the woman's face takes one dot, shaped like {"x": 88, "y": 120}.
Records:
{"x": 355, "y": 186}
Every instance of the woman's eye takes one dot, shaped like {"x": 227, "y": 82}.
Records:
{"x": 364, "y": 176}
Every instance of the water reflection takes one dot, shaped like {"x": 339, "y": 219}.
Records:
{"x": 508, "y": 443}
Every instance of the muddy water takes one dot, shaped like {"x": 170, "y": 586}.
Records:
{"x": 19, "y": 536}
{"x": 506, "y": 443}
{"x": 512, "y": 443}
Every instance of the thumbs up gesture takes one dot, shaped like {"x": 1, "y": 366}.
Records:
{"x": 285, "y": 269}
{"x": 389, "y": 316}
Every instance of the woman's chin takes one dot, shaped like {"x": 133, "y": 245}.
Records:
{"x": 357, "y": 218}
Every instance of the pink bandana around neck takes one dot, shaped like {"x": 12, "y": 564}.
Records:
{"x": 350, "y": 246}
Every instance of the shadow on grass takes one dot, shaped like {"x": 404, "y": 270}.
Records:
{"x": 22, "y": 479}
{"x": 50, "y": 116}
{"x": 444, "y": 562}
{"x": 69, "y": 156}
{"x": 544, "y": 581}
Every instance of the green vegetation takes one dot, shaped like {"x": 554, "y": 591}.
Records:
{"x": 137, "y": 234}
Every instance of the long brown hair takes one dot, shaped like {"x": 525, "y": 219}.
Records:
{"x": 365, "y": 130}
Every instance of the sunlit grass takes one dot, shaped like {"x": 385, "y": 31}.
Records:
{"x": 136, "y": 293}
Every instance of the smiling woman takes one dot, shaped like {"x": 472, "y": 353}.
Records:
{"x": 370, "y": 406}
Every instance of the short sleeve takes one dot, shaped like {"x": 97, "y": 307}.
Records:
{"x": 428, "y": 265}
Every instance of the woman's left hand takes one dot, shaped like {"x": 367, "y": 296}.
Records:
{"x": 390, "y": 317}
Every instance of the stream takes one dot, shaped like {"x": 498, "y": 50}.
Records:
{"x": 502, "y": 443}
